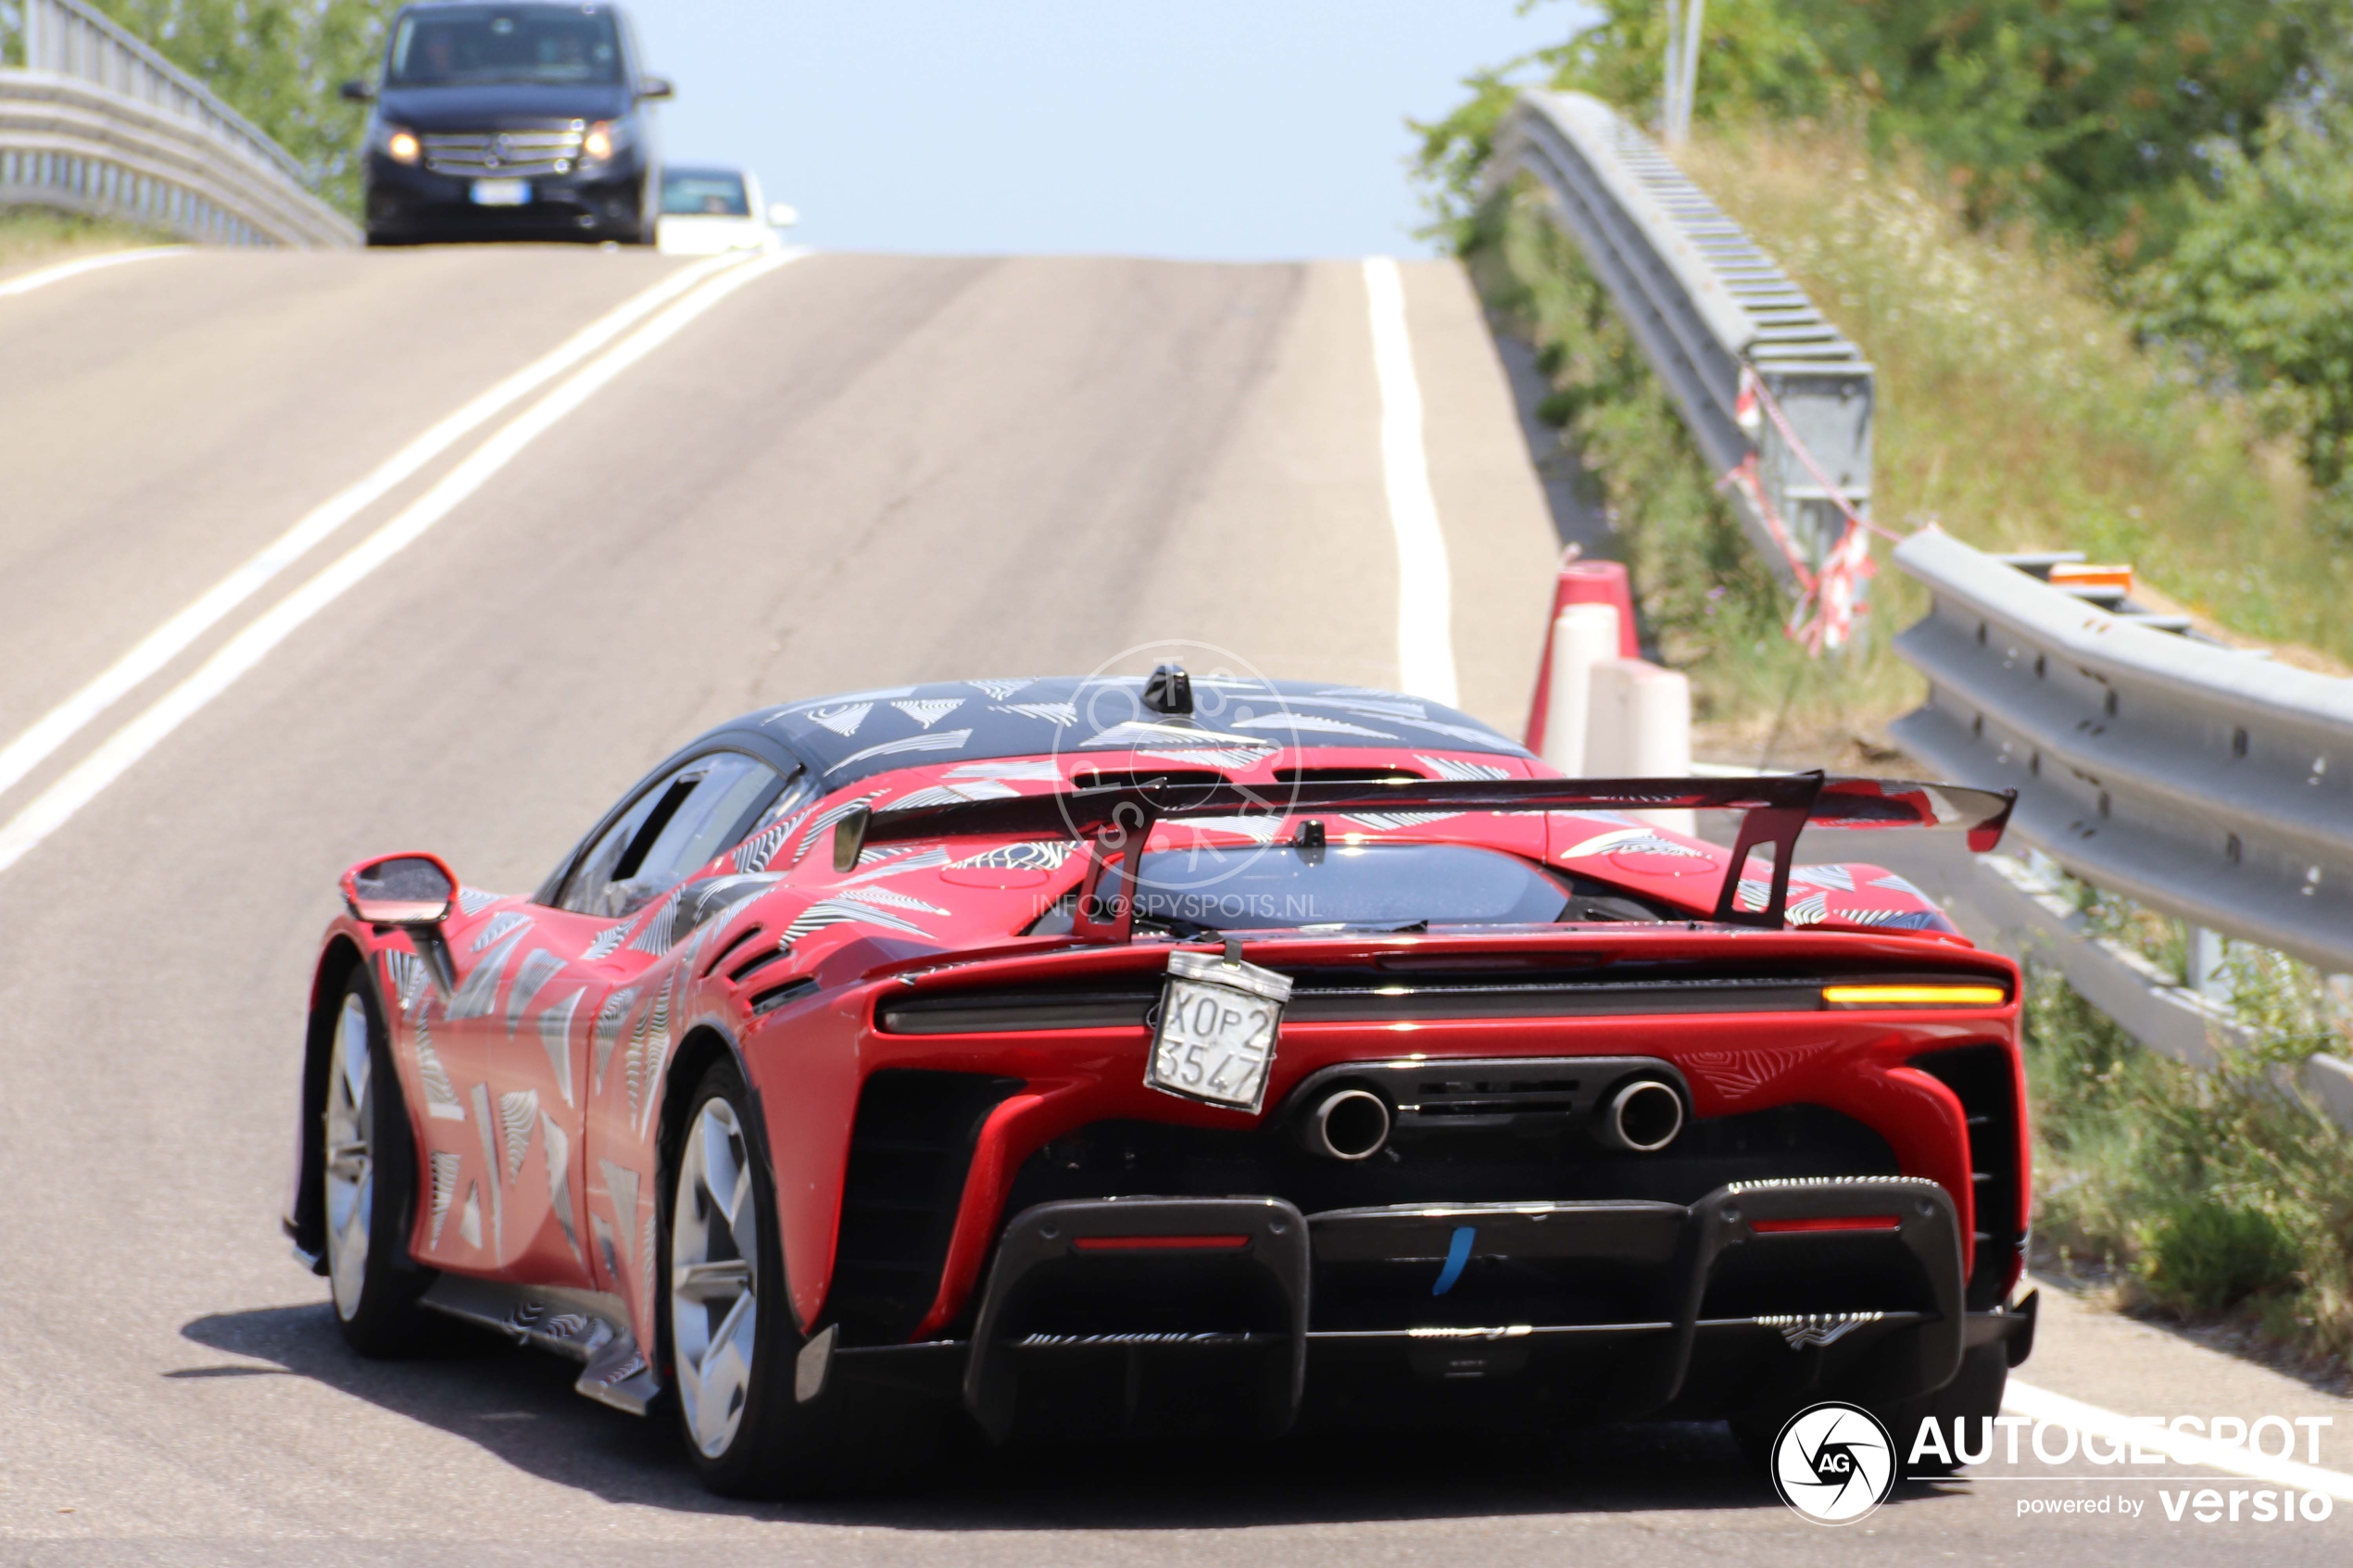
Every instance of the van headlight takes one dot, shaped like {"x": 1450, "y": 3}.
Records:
{"x": 398, "y": 144}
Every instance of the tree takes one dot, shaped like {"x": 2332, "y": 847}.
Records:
{"x": 2262, "y": 280}
{"x": 2100, "y": 118}
{"x": 278, "y": 63}
{"x": 2104, "y": 119}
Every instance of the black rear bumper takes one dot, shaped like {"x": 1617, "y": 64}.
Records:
{"x": 1155, "y": 1315}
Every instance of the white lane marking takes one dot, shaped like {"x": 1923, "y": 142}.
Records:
{"x": 65, "y": 269}
{"x": 55, "y": 806}
{"x": 1424, "y": 586}
{"x": 161, "y": 646}
{"x": 2182, "y": 1448}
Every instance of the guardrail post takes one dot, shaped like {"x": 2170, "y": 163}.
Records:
{"x": 1829, "y": 408}
{"x": 2206, "y": 964}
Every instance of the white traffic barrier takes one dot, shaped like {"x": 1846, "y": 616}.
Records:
{"x": 1583, "y": 636}
{"x": 1639, "y": 726}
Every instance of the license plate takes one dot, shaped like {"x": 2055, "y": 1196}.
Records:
{"x": 1215, "y": 1040}
{"x": 502, "y": 192}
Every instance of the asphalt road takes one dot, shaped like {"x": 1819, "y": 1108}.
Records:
{"x": 857, "y": 470}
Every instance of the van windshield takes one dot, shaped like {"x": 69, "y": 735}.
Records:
{"x": 481, "y": 45}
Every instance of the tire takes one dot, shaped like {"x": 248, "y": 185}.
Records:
{"x": 368, "y": 1181}
{"x": 1974, "y": 1393}
{"x": 728, "y": 1332}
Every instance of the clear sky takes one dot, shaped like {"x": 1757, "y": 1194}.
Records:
{"x": 1225, "y": 130}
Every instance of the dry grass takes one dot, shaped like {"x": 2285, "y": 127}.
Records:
{"x": 2015, "y": 408}
{"x": 34, "y": 237}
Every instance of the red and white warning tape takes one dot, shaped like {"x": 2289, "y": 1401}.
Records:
{"x": 1830, "y": 600}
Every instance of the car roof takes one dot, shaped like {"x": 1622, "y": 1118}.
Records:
{"x": 856, "y": 735}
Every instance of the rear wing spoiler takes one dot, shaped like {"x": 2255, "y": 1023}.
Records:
{"x": 1776, "y": 808}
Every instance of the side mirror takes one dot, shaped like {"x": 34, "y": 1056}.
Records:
{"x": 782, "y": 215}
{"x": 655, "y": 87}
{"x": 357, "y": 93}
{"x": 410, "y": 889}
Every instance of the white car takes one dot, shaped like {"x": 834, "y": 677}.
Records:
{"x": 706, "y": 210}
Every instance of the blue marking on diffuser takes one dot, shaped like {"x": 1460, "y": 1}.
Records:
{"x": 1457, "y": 1255}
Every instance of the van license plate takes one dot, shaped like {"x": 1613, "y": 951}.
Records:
{"x": 502, "y": 192}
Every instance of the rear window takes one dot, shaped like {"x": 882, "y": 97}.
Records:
{"x": 1375, "y": 887}
{"x": 708, "y": 193}
{"x": 478, "y": 46}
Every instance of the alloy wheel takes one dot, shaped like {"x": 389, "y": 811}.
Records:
{"x": 714, "y": 1273}
{"x": 350, "y": 1163}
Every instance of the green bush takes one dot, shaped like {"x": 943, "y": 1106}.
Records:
{"x": 2208, "y": 1192}
{"x": 2263, "y": 281}
{"x": 2201, "y": 1255}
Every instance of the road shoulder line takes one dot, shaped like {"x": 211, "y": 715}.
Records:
{"x": 2182, "y": 1447}
{"x": 1424, "y": 588}
{"x": 57, "y": 805}
{"x": 61, "y": 724}
{"x": 65, "y": 270}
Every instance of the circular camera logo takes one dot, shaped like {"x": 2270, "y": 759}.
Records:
{"x": 1833, "y": 1463}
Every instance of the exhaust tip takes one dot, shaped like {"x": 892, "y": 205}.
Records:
{"x": 1643, "y": 1117}
{"x": 1347, "y": 1125}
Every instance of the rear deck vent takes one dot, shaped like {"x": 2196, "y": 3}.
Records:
{"x": 759, "y": 960}
{"x": 778, "y": 995}
{"x": 1364, "y": 773}
{"x": 1174, "y": 778}
{"x": 745, "y": 934}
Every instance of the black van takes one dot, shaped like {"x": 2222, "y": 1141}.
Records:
{"x": 525, "y": 121}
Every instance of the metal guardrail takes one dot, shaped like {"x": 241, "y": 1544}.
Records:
{"x": 2207, "y": 781}
{"x": 1703, "y": 300}
{"x": 2202, "y": 780}
{"x": 94, "y": 120}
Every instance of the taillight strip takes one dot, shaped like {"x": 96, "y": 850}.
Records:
{"x": 1829, "y": 1223}
{"x": 1915, "y": 996}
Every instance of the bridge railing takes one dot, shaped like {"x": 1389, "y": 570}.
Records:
{"x": 92, "y": 120}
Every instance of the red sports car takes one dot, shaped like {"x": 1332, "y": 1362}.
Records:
{"x": 1115, "y": 1056}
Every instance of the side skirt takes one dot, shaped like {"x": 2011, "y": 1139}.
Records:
{"x": 586, "y": 1326}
